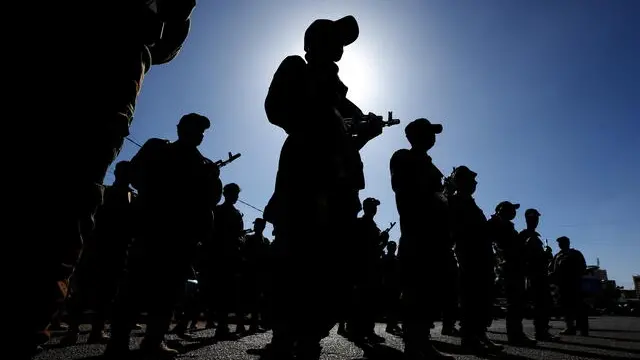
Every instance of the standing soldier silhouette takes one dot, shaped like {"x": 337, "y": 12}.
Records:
{"x": 225, "y": 262}
{"x": 568, "y": 268}
{"x": 255, "y": 252}
{"x": 537, "y": 263}
{"x": 178, "y": 190}
{"x": 103, "y": 50}
{"x": 315, "y": 203}
{"x": 367, "y": 257}
{"x": 425, "y": 241}
{"x": 512, "y": 247}
{"x": 475, "y": 256}
{"x": 391, "y": 288}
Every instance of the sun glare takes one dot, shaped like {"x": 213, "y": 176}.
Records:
{"x": 357, "y": 73}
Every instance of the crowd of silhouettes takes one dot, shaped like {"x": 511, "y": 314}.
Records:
{"x": 166, "y": 239}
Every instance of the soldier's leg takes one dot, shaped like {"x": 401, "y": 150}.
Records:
{"x": 165, "y": 289}
{"x": 450, "y": 298}
{"x": 541, "y": 293}
{"x": 514, "y": 287}
{"x": 569, "y": 303}
{"x": 132, "y": 294}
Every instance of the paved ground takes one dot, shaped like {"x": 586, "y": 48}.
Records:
{"x": 612, "y": 338}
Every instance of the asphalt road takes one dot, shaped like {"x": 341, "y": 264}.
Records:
{"x": 611, "y": 338}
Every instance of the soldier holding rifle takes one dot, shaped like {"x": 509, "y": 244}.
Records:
{"x": 425, "y": 242}
{"x": 319, "y": 176}
{"x": 178, "y": 190}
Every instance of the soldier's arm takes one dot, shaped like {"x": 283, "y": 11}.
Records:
{"x": 175, "y": 14}
{"x": 139, "y": 162}
{"x": 286, "y": 87}
{"x": 401, "y": 179}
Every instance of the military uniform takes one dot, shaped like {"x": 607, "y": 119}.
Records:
{"x": 425, "y": 240}
{"x": 178, "y": 189}
{"x": 91, "y": 123}
{"x": 568, "y": 268}
{"x": 255, "y": 253}
{"x": 537, "y": 273}
{"x": 316, "y": 191}
{"x": 512, "y": 249}
{"x": 367, "y": 255}
{"x": 475, "y": 256}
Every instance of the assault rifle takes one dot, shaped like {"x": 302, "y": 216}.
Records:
{"x": 391, "y": 225}
{"x": 352, "y": 124}
{"x": 232, "y": 157}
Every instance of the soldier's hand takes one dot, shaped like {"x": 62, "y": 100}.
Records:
{"x": 214, "y": 171}
{"x": 384, "y": 235}
{"x": 375, "y": 123}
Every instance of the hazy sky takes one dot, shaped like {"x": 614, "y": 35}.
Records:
{"x": 540, "y": 98}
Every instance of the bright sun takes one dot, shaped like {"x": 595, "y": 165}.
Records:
{"x": 356, "y": 72}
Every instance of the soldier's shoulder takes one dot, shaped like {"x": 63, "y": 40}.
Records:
{"x": 156, "y": 143}
{"x": 400, "y": 156}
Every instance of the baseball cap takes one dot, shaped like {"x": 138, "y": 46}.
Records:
{"x": 422, "y": 125}
{"x": 532, "y": 212}
{"x": 506, "y": 204}
{"x": 345, "y": 30}
{"x": 563, "y": 239}
{"x": 463, "y": 171}
{"x": 371, "y": 201}
{"x": 195, "y": 120}
{"x": 260, "y": 221}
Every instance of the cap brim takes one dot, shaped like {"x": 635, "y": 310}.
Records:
{"x": 516, "y": 206}
{"x": 348, "y": 29}
{"x": 437, "y": 128}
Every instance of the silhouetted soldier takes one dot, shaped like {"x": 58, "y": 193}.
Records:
{"x": 425, "y": 241}
{"x": 178, "y": 189}
{"x": 512, "y": 248}
{"x": 537, "y": 264}
{"x": 255, "y": 253}
{"x": 103, "y": 260}
{"x": 391, "y": 288}
{"x": 319, "y": 177}
{"x": 125, "y": 39}
{"x": 225, "y": 263}
{"x": 367, "y": 253}
{"x": 475, "y": 255}
{"x": 568, "y": 268}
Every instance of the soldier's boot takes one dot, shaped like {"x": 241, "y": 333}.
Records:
{"x": 393, "y": 329}
{"x": 342, "y": 329}
{"x": 154, "y": 350}
{"x": 70, "y": 338}
{"x": 308, "y": 350}
{"x": 488, "y": 343}
{"x": 568, "y": 331}
{"x": 520, "y": 339}
{"x": 544, "y": 335}
{"x": 97, "y": 336}
{"x": 473, "y": 345}
{"x": 424, "y": 352}
{"x": 450, "y": 330}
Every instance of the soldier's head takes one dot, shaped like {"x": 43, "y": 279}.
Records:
{"x": 231, "y": 192}
{"x": 122, "y": 172}
{"x": 258, "y": 225}
{"x": 464, "y": 180}
{"x": 532, "y": 217}
{"x": 370, "y": 206}
{"x": 507, "y": 210}
{"x": 421, "y": 134}
{"x": 324, "y": 40}
{"x": 191, "y": 129}
{"x": 564, "y": 243}
{"x": 392, "y": 247}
